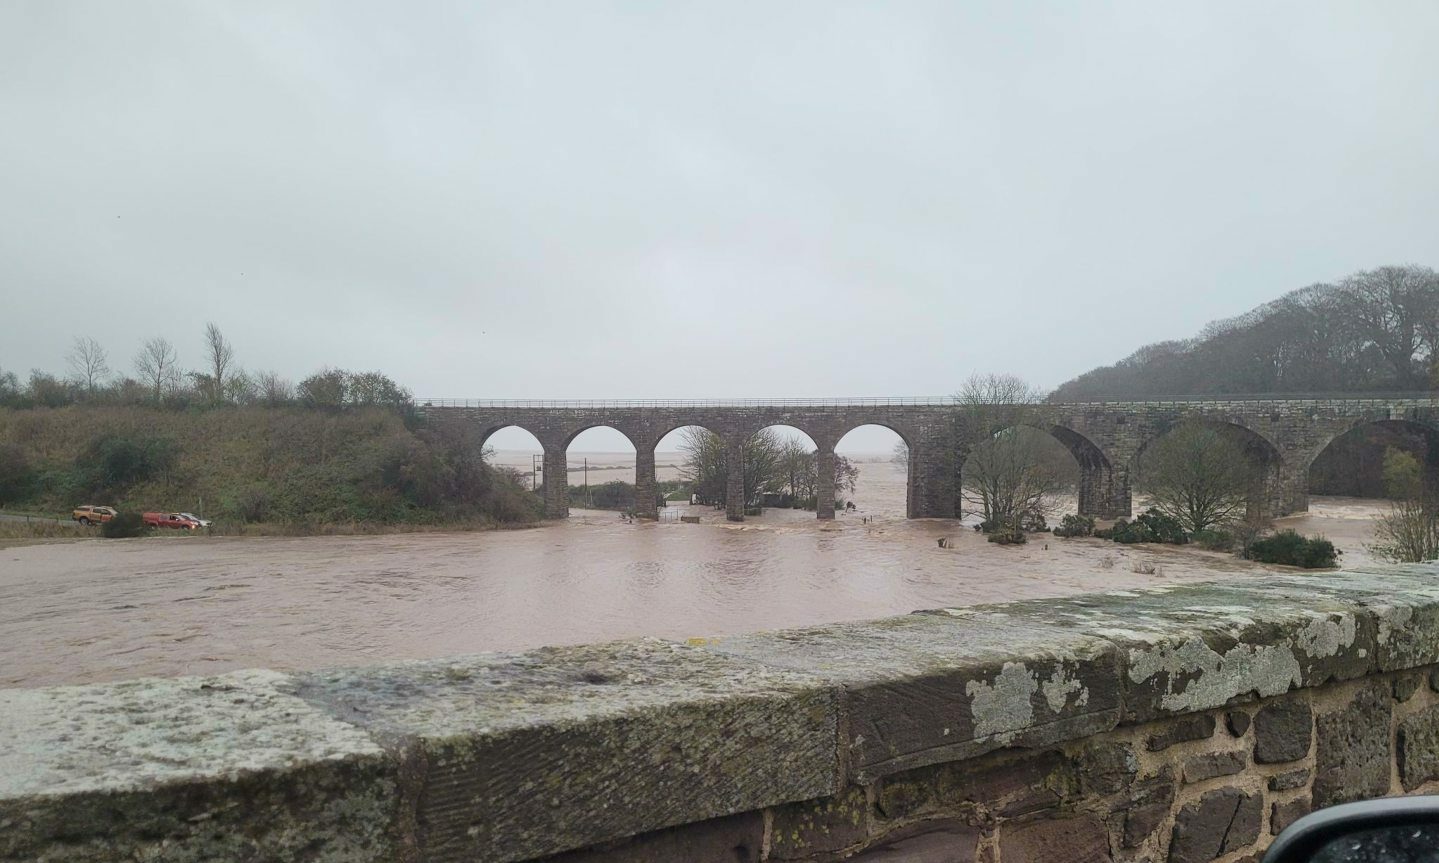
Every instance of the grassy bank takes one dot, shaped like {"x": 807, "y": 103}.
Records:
{"x": 292, "y": 469}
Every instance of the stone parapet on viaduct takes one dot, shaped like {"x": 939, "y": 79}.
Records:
{"x": 1183, "y": 724}
{"x": 1284, "y": 436}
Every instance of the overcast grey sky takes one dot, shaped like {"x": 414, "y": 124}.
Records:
{"x": 697, "y": 199}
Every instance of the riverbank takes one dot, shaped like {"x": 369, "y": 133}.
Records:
{"x": 17, "y": 533}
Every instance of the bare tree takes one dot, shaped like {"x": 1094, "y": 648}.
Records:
{"x": 706, "y": 466}
{"x": 157, "y": 365}
{"x": 797, "y": 468}
{"x": 1395, "y": 308}
{"x": 220, "y": 356}
{"x": 1007, "y": 475}
{"x": 89, "y": 364}
{"x": 274, "y": 390}
{"x": 1409, "y": 533}
{"x": 1003, "y": 390}
{"x": 1011, "y": 480}
{"x": 1199, "y": 476}
{"x": 242, "y": 388}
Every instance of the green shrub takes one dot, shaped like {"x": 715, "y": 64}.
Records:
{"x": 1164, "y": 528}
{"x": 1150, "y": 526}
{"x": 1030, "y": 523}
{"x": 1214, "y": 539}
{"x": 16, "y": 474}
{"x": 123, "y": 526}
{"x": 1075, "y": 525}
{"x": 1008, "y": 536}
{"x": 114, "y": 462}
{"x": 251, "y": 503}
{"x": 1130, "y": 532}
{"x": 1291, "y": 549}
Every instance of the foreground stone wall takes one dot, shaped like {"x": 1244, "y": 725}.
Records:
{"x": 1186, "y": 723}
{"x": 1216, "y": 785}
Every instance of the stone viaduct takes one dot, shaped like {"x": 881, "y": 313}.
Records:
{"x": 1284, "y": 435}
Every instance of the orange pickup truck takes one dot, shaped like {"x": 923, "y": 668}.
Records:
{"x": 169, "y": 519}
{"x": 90, "y": 514}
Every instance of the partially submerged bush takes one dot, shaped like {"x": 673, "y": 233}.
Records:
{"x": 1151, "y": 526}
{"x": 1075, "y": 525}
{"x": 1214, "y": 539}
{"x": 1291, "y": 549}
{"x": 1028, "y": 523}
{"x": 1033, "y": 522}
{"x": 1008, "y": 536}
{"x": 123, "y": 526}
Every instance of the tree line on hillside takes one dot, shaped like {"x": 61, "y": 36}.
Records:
{"x": 1375, "y": 330}
{"x": 158, "y": 378}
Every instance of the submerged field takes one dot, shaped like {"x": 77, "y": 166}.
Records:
{"x": 73, "y": 612}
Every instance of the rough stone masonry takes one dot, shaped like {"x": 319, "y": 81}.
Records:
{"x": 1283, "y": 435}
{"x": 1181, "y": 723}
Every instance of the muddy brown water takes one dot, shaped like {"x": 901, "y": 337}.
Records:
{"x": 100, "y": 610}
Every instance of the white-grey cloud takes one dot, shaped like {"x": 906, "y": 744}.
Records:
{"x": 701, "y": 199}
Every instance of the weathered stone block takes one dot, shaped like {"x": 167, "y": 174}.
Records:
{"x": 1283, "y": 814}
{"x": 1289, "y": 779}
{"x": 189, "y": 769}
{"x": 1418, "y": 745}
{"x": 1212, "y": 764}
{"x": 521, "y": 755}
{"x": 801, "y": 830}
{"x": 735, "y": 839}
{"x": 997, "y": 786}
{"x": 1179, "y": 730}
{"x": 904, "y": 795}
{"x": 1283, "y": 731}
{"x": 1147, "y": 807}
{"x": 1105, "y": 767}
{"x": 1237, "y": 721}
{"x": 1352, "y": 755}
{"x": 1405, "y": 685}
{"x": 928, "y": 688}
{"x": 1204, "y": 646}
{"x": 1220, "y": 822}
{"x": 932, "y": 842}
{"x": 1082, "y": 839}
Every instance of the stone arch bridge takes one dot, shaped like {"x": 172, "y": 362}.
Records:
{"x": 1284, "y": 435}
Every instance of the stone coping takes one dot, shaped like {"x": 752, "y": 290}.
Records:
{"x": 512, "y": 756}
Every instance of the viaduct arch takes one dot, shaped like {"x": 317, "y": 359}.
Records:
{"x": 1105, "y": 437}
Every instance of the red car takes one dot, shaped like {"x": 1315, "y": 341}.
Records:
{"x": 170, "y": 519}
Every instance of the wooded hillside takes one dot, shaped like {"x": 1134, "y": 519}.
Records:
{"x": 1373, "y": 331}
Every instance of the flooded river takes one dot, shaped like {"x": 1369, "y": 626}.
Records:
{"x": 108, "y": 609}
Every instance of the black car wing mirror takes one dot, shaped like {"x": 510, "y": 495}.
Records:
{"x": 1389, "y": 830}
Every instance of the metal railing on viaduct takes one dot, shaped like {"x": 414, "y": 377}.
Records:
{"x": 1283, "y": 433}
